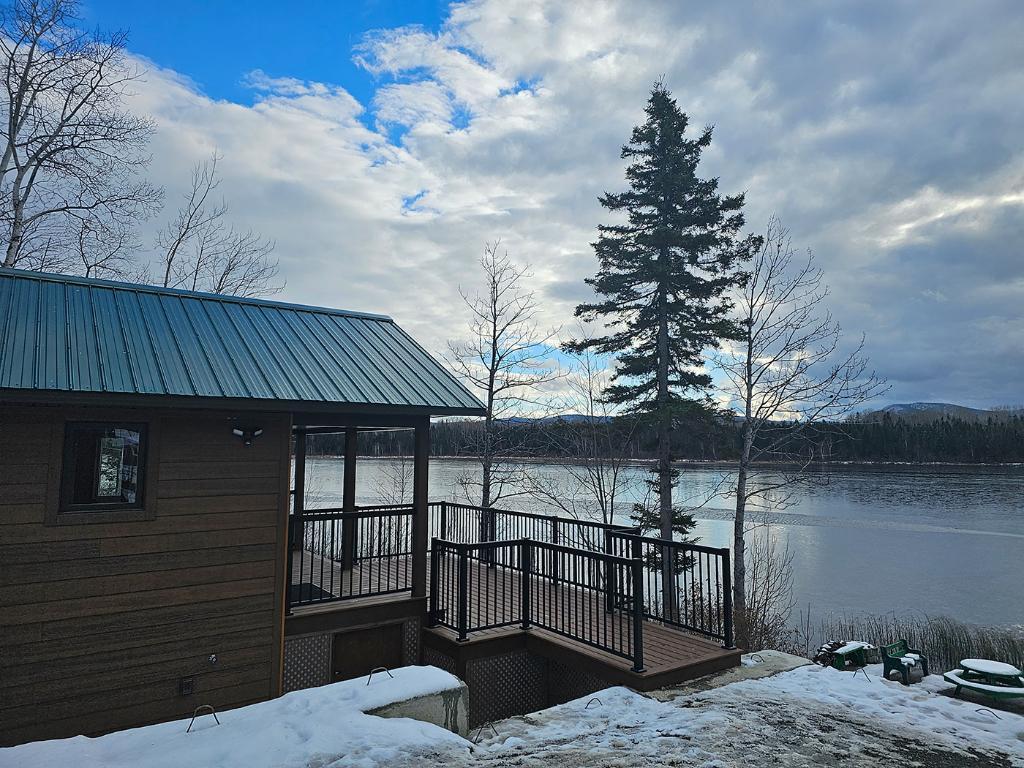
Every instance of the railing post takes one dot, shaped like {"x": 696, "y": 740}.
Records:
{"x": 637, "y": 568}
{"x": 443, "y": 522}
{"x": 435, "y": 588}
{"x": 349, "y": 524}
{"x": 526, "y": 558}
{"x": 727, "y": 598}
{"x": 553, "y": 559}
{"x": 488, "y": 532}
{"x": 296, "y": 522}
{"x": 609, "y": 573}
{"x": 463, "y": 591}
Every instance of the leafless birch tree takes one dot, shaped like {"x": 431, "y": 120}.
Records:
{"x": 200, "y": 250}
{"x": 595, "y": 436}
{"x": 507, "y": 359}
{"x": 787, "y": 375}
{"x": 70, "y": 149}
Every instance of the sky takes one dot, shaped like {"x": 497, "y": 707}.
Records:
{"x": 381, "y": 145}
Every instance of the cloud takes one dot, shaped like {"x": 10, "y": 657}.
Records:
{"x": 886, "y": 139}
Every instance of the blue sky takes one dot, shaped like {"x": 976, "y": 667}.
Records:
{"x": 216, "y": 43}
{"x": 381, "y": 145}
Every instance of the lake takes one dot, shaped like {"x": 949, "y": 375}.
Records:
{"x": 928, "y": 539}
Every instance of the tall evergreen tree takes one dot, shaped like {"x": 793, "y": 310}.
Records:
{"x": 662, "y": 284}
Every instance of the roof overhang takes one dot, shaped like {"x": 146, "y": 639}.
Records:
{"x": 303, "y": 412}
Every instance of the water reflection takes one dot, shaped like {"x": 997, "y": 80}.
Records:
{"x": 936, "y": 540}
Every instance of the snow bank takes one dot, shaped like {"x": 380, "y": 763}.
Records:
{"x": 323, "y": 726}
{"x": 772, "y": 720}
{"x": 609, "y": 726}
{"x": 915, "y": 710}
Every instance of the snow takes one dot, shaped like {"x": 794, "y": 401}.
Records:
{"x": 956, "y": 676}
{"x": 853, "y": 645}
{"x": 952, "y": 721}
{"x": 323, "y": 726}
{"x": 989, "y": 667}
{"x": 804, "y": 717}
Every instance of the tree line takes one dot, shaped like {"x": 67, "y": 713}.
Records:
{"x": 890, "y": 438}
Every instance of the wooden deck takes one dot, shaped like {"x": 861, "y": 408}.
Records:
{"x": 568, "y": 622}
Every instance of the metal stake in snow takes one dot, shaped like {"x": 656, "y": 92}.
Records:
{"x": 195, "y": 714}
{"x": 480, "y": 732}
{"x": 379, "y": 669}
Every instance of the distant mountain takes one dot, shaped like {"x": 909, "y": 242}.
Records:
{"x": 569, "y": 418}
{"x": 923, "y": 412}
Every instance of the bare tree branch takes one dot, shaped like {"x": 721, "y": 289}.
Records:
{"x": 507, "y": 359}
{"x": 200, "y": 251}
{"x": 596, "y": 437}
{"x": 70, "y": 150}
{"x": 787, "y": 375}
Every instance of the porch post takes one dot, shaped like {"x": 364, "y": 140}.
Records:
{"x": 349, "y": 527}
{"x": 296, "y": 524}
{"x": 420, "y": 516}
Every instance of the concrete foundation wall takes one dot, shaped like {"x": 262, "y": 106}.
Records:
{"x": 448, "y": 709}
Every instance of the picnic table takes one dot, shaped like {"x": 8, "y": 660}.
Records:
{"x": 852, "y": 652}
{"x": 992, "y": 678}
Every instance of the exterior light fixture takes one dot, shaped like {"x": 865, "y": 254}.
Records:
{"x": 247, "y": 435}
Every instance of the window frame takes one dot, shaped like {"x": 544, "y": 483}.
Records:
{"x": 60, "y": 510}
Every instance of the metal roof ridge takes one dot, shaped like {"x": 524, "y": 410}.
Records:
{"x": 202, "y": 295}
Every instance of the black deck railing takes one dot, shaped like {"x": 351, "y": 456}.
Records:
{"x": 527, "y": 583}
{"x": 685, "y": 585}
{"x": 339, "y": 555}
{"x": 468, "y": 524}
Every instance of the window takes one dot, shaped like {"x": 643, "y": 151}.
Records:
{"x": 104, "y": 467}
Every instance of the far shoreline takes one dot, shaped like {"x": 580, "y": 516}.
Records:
{"x": 704, "y": 464}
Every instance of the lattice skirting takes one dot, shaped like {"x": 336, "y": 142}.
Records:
{"x": 437, "y": 659}
{"x": 307, "y": 658}
{"x": 516, "y": 683}
{"x": 411, "y": 642}
{"x": 307, "y": 661}
{"x": 501, "y": 686}
{"x": 566, "y": 683}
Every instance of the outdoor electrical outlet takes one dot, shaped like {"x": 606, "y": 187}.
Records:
{"x": 187, "y": 686}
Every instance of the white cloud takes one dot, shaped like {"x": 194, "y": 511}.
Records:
{"x": 884, "y": 138}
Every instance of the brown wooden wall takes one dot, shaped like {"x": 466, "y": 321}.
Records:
{"x": 99, "y": 621}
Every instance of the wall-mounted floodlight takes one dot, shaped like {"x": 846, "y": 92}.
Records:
{"x": 247, "y": 435}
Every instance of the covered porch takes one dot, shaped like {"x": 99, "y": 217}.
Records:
{"x": 487, "y": 580}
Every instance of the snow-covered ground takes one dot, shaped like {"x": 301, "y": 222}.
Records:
{"x": 809, "y": 716}
{"x": 319, "y": 727}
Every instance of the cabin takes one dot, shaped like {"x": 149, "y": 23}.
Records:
{"x": 159, "y": 550}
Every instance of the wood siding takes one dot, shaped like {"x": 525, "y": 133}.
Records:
{"x": 100, "y": 620}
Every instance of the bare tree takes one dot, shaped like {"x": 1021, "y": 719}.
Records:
{"x": 394, "y": 483}
{"x": 769, "y": 594}
{"x": 788, "y": 375}
{"x": 200, "y": 250}
{"x": 595, "y": 439}
{"x": 507, "y": 358}
{"x": 107, "y": 249}
{"x": 70, "y": 150}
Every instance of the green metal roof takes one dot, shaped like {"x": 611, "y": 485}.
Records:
{"x": 69, "y": 334}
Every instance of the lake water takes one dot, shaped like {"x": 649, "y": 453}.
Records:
{"x": 935, "y": 540}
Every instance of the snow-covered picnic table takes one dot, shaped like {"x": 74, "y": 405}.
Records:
{"x": 852, "y": 651}
{"x": 992, "y": 678}
{"x": 990, "y": 668}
